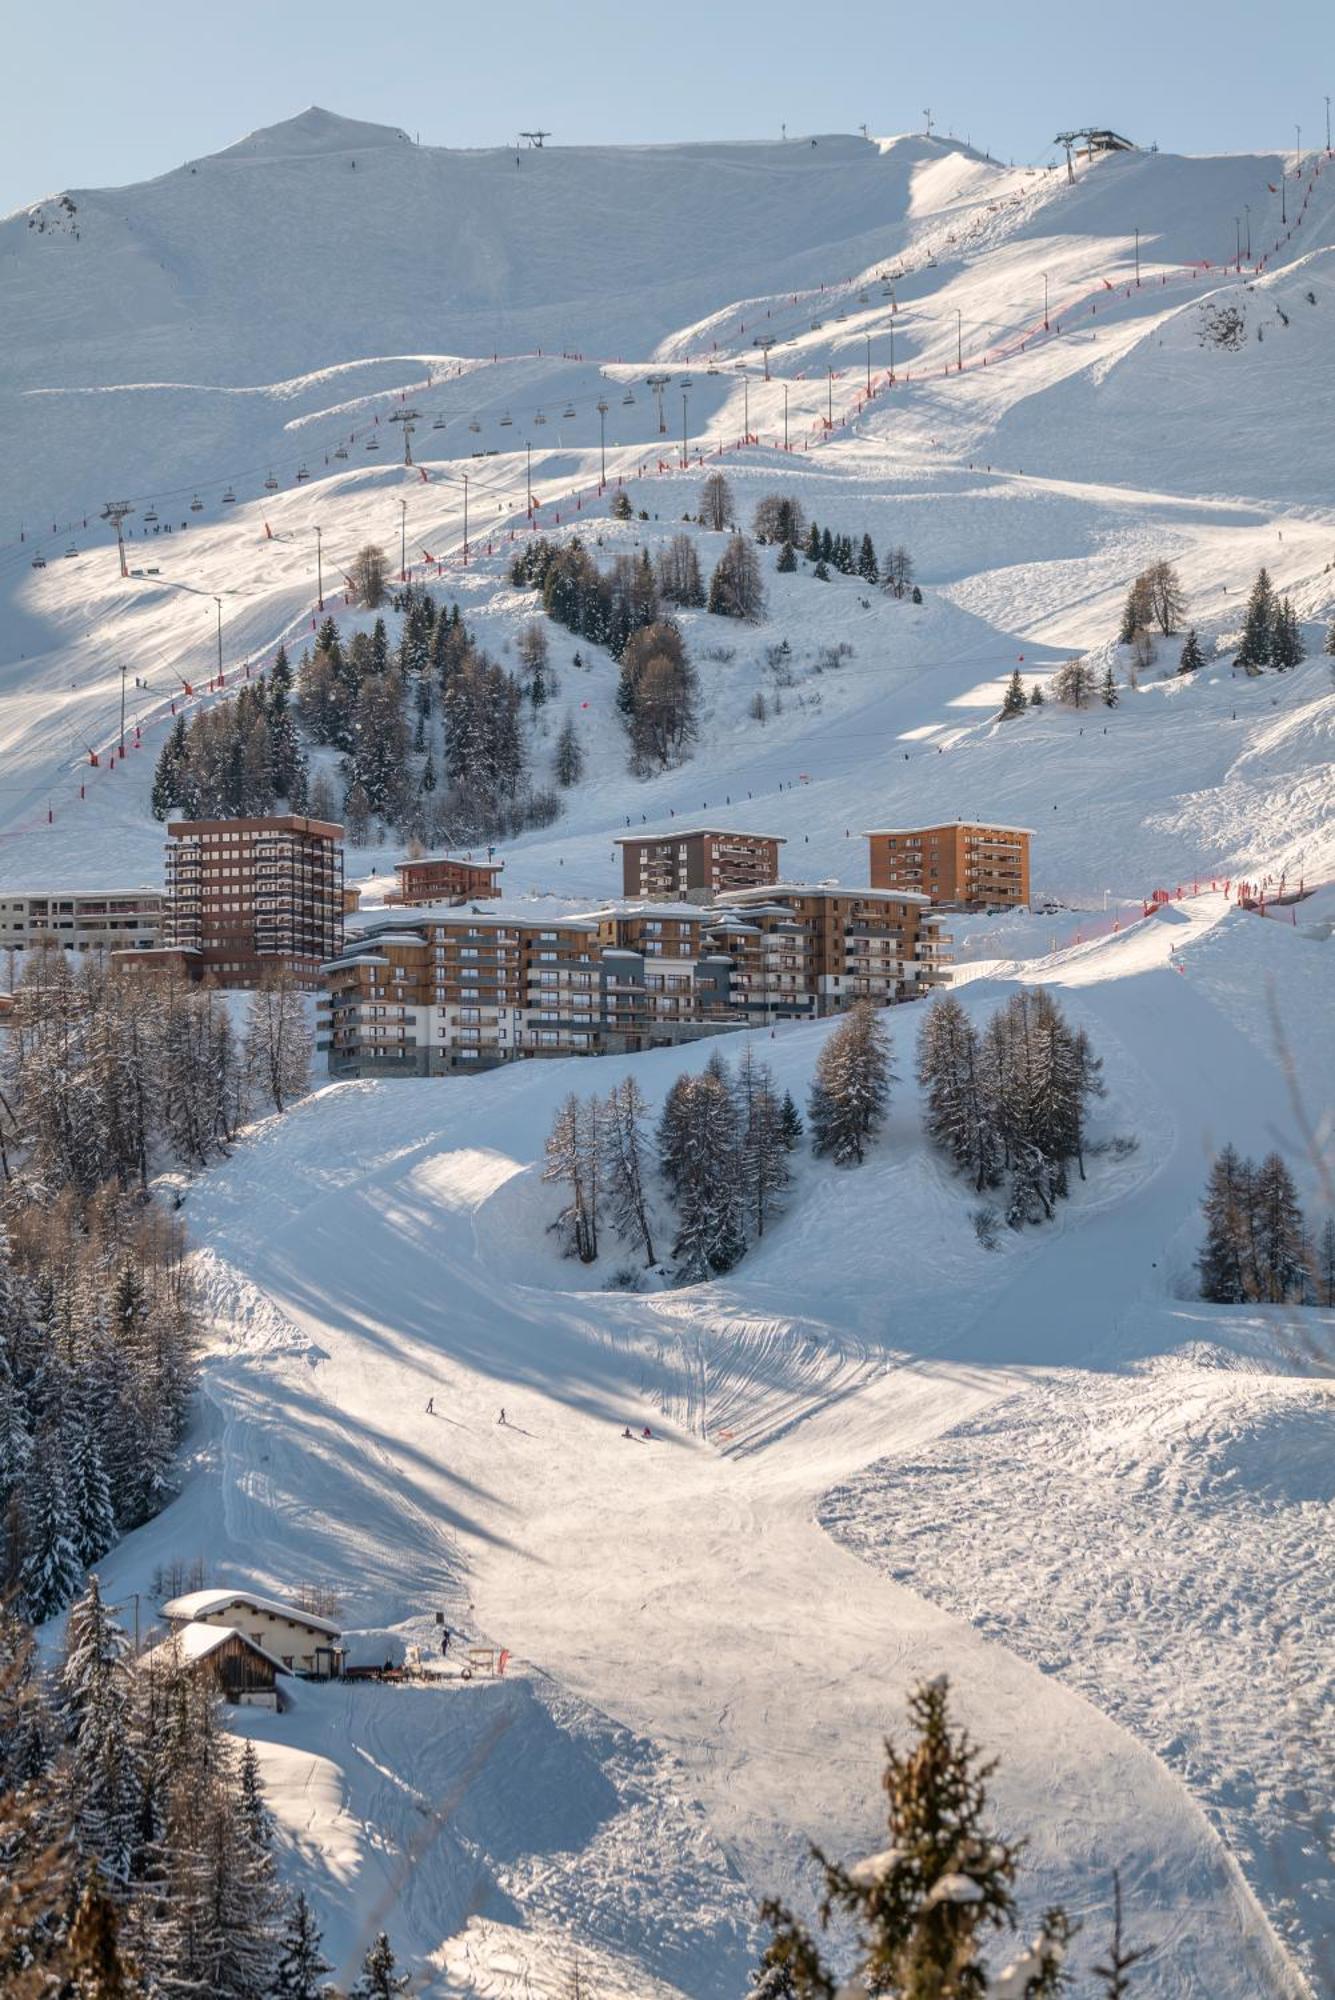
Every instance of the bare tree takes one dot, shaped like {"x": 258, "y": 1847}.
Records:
{"x": 735, "y": 588}
{"x": 716, "y": 502}
{"x": 370, "y": 574}
{"x": 278, "y": 1041}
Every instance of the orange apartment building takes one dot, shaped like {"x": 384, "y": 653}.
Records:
{"x": 697, "y": 865}
{"x": 246, "y": 897}
{"x": 965, "y": 863}
{"x": 444, "y": 878}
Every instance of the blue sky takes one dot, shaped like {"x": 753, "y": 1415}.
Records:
{"x": 98, "y": 95}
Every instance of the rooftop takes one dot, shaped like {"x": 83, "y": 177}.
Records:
{"x": 199, "y": 1604}
{"x": 941, "y": 825}
{"x": 693, "y": 833}
{"x": 196, "y": 1642}
{"x": 774, "y": 892}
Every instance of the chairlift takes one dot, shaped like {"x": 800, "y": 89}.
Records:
{"x": 474, "y": 426}
{"x": 196, "y": 505}
{"x": 628, "y": 399}
{"x": 39, "y": 562}
{"x": 373, "y": 444}
{"x": 229, "y": 498}
{"x": 506, "y": 421}
{"x": 816, "y": 325}
{"x": 438, "y": 424}
{"x": 839, "y": 316}
{"x": 340, "y": 451}
{"x": 270, "y": 486}
{"x": 569, "y": 410}
{"x": 538, "y": 417}
{"x": 150, "y": 516}
{"x": 862, "y": 298}
{"x": 302, "y": 474}
{"x": 71, "y": 550}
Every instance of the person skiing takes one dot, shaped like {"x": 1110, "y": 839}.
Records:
{"x": 646, "y": 1432}
{"x": 445, "y": 1642}
{"x": 501, "y": 1418}
{"x": 431, "y": 1406}
{"x": 627, "y": 1432}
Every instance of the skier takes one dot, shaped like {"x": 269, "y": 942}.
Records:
{"x": 646, "y": 1432}
{"x": 445, "y": 1642}
{"x": 431, "y": 1406}
{"x": 627, "y": 1432}
{"x": 501, "y": 1418}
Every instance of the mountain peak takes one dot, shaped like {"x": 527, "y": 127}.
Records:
{"x": 313, "y": 131}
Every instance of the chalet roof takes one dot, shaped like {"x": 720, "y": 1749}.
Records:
{"x": 452, "y": 860}
{"x": 200, "y": 1603}
{"x": 192, "y": 1643}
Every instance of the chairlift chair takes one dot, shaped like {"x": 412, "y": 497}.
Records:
{"x": 538, "y": 417}
{"x": 474, "y": 426}
{"x": 196, "y": 505}
{"x": 71, "y": 550}
{"x": 816, "y": 325}
{"x": 39, "y": 562}
{"x": 438, "y": 424}
{"x": 569, "y": 410}
{"x": 150, "y": 516}
{"x": 340, "y": 451}
{"x": 373, "y": 444}
{"x": 229, "y": 498}
{"x": 270, "y": 486}
{"x": 628, "y": 399}
{"x": 506, "y": 421}
{"x": 302, "y": 474}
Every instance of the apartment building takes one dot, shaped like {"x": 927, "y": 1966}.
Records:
{"x": 696, "y": 866}
{"x": 444, "y": 878}
{"x": 964, "y": 863}
{"x": 448, "y": 993}
{"x": 247, "y": 897}
{"x": 82, "y": 919}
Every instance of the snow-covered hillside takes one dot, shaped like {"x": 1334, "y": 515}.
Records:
{"x": 880, "y": 1450}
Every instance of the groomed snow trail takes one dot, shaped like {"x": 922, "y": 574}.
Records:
{"x": 380, "y": 1245}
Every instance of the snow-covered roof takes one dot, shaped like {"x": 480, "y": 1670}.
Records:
{"x": 192, "y": 1643}
{"x": 627, "y": 906}
{"x": 940, "y": 825}
{"x": 200, "y": 1603}
{"x": 775, "y": 891}
{"x": 452, "y": 860}
{"x": 679, "y": 832}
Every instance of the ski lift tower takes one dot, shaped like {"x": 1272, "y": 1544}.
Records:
{"x": 764, "y": 342}
{"x": 410, "y": 420}
{"x": 658, "y": 383}
{"x": 535, "y": 139}
{"x": 115, "y": 512}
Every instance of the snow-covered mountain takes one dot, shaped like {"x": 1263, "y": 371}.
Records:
{"x": 884, "y": 1451}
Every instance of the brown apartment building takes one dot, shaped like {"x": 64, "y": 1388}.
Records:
{"x": 444, "y": 878}
{"x": 696, "y": 866}
{"x": 965, "y": 863}
{"x": 247, "y": 897}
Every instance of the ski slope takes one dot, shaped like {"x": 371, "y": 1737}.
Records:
{"x": 879, "y": 1451}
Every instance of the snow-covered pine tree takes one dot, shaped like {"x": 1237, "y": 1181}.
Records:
{"x": 301, "y": 1964}
{"x": 626, "y": 1166}
{"x": 956, "y": 1113}
{"x": 1323, "y": 1263}
{"x": 1279, "y": 1234}
{"x": 572, "y": 1162}
{"x": 88, "y": 1490}
{"x": 790, "y": 1121}
{"x": 1013, "y": 702}
{"x": 787, "y": 562}
{"x": 923, "y": 1908}
{"x": 51, "y": 1573}
{"x": 710, "y": 1233}
{"x": 1036, "y": 696}
{"x": 95, "y": 1965}
{"x": 867, "y": 566}
{"x": 1329, "y": 647}
{"x": 1286, "y": 648}
{"x": 96, "y": 1701}
{"x": 568, "y": 760}
{"x": 1191, "y": 659}
{"x": 851, "y": 1087}
{"x": 379, "y": 1978}
{"x": 679, "y": 574}
{"x": 1227, "y": 1206}
{"x": 766, "y": 1174}
{"x": 735, "y": 588}
{"x": 1108, "y": 691}
{"x": 1258, "y": 629}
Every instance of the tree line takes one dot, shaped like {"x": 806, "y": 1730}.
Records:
{"x": 781, "y": 519}
{"x": 237, "y": 760}
{"x": 1258, "y": 1247}
{"x": 1156, "y": 601}
{"x": 138, "y": 1843}
{"x": 719, "y": 1153}
{"x": 1010, "y": 1105}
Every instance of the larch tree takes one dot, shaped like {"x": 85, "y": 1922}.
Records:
{"x": 850, "y": 1091}
{"x": 278, "y": 1040}
{"x": 718, "y": 509}
{"x": 735, "y": 588}
{"x": 626, "y": 1166}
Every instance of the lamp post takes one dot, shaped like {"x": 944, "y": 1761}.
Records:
{"x": 602, "y": 441}
{"x": 746, "y": 407}
{"x": 124, "y": 671}
{"x": 829, "y": 399}
{"x": 785, "y": 416}
{"x": 403, "y": 541}
{"x": 218, "y": 602}
{"x": 685, "y": 444}
{"x": 465, "y": 478}
{"x": 892, "y": 353}
{"x": 528, "y": 456}
{"x": 867, "y": 337}
{"x": 319, "y": 572}
{"x": 1237, "y": 242}
{"x": 1327, "y": 124}
{"x": 1046, "y": 327}
{"x": 1247, "y": 207}
{"x": 1137, "y": 260}
{"x": 959, "y": 341}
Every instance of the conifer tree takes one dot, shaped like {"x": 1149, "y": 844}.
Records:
{"x": 626, "y": 1166}
{"x": 621, "y": 509}
{"x": 568, "y": 761}
{"x": 790, "y": 1122}
{"x": 1108, "y": 691}
{"x": 1013, "y": 703}
{"x": 735, "y": 588}
{"x": 1227, "y": 1205}
{"x": 96, "y": 1967}
{"x": 923, "y": 1908}
{"x": 1329, "y": 647}
{"x": 851, "y": 1087}
{"x": 1324, "y": 1264}
{"x": 575, "y": 1162}
{"x": 51, "y": 1570}
{"x": 301, "y": 1964}
{"x": 821, "y": 573}
{"x": 704, "y": 1175}
{"x": 956, "y": 1112}
{"x": 379, "y": 1978}
{"x": 1036, "y": 696}
{"x": 763, "y": 1146}
{"x": 1192, "y": 659}
{"x": 1286, "y": 649}
{"x": 787, "y": 562}
{"x": 96, "y": 1702}
{"x": 1073, "y": 683}
{"x": 1279, "y": 1234}
{"x": 867, "y": 566}
{"x": 1258, "y": 630}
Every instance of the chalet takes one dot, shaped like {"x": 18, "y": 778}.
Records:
{"x": 246, "y": 1673}
{"x": 297, "y": 1640}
